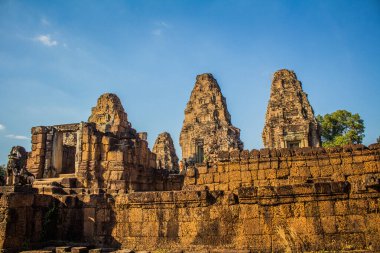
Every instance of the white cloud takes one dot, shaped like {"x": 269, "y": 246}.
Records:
{"x": 17, "y": 137}
{"x": 2, "y": 127}
{"x": 46, "y": 40}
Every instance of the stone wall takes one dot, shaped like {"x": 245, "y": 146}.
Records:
{"x": 308, "y": 217}
{"x": 296, "y": 218}
{"x": 36, "y": 158}
{"x": 29, "y": 220}
{"x": 294, "y": 200}
{"x": 355, "y": 164}
{"x": 53, "y": 150}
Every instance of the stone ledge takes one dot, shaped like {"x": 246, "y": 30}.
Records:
{"x": 225, "y": 156}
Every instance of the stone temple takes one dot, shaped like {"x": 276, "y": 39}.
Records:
{"x": 207, "y": 127}
{"x": 105, "y": 152}
{"x": 289, "y": 120}
{"x": 95, "y": 186}
{"x": 165, "y": 153}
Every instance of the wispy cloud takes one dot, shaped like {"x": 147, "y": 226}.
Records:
{"x": 2, "y": 127}
{"x": 17, "y": 137}
{"x": 160, "y": 27}
{"x": 46, "y": 40}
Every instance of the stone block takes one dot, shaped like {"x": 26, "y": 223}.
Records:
{"x": 327, "y": 171}
{"x": 86, "y": 156}
{"x": 190, "y": 181}
{"x": 191, "y": 172}
{"x": 223, "y": 156}
{"x": 234, "y": 167}
{"x": 371, "y": 167}
{"x": 312, "y": 209}
{"x": 357, "y": 206}
{"x": 222, "y": 187}
{"x": 358, "y": 168}
{"x": 329, "y": 224}
{"x": 311, "y": 162}
{"x": 326, "y": 208}
{"x": 202, "y": 169}
{"x": 222, "y": 167}
{"x": 341, "y": 207}
{"x": 235, "y": 155}
{"x": 270, "y": 174}
{"x": 38, "y": 130}
{"x": 323, "y": 161}
{"x": 261, "y": 175}
{"x": 244, "y": 166}
{"x": 246, "y": 177}
{"x": 264, "y": 165}
{"x": 304, "y": 172}
{"x": 36, "y": 251}
{"x": 315, "y": 172}
{"x": 38, "y": 138}
{"x": 253, "y": 165}
{"x": 294, "y": 172}
{"x": 252, "y": 226}
{"x": 200, "y": 180}
{"x": 212, "y": 169}
{"x": 95, "y": 251}
{"x": 346, "y": 159}
{"x": 235, "y": 176}
{"x": 79, "y": 250}
{"x": 254, "y": 154}
{"x": 244, "y": 155}
{"x": 282, "y": 173}
{"x": 208, "y": 178}
{"x": 335, "y": 160}
{"x": 223, "y": 178}
{"x": 234, "y": 185}
{"x": 62, "y": 249}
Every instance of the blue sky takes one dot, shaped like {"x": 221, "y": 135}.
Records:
{"x": 58, "y": 57}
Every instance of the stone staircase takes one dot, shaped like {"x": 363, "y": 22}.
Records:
{"x": 57, "y": 185}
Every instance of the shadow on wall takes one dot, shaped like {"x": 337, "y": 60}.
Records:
{"x": 30, "y": 221}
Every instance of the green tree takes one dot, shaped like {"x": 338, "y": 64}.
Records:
{"x": 341, "y": 128}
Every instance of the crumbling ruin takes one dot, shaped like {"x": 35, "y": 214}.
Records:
{"x": 207, "y": 127}
{"x": 289, "y": 121}
{"x": 17, "y": 174}
{"x": 103, "y": 153}
{"x": 166, "y": 157}
{"x": 97, "y": 185}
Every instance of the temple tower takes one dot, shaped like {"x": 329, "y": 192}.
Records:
{"x": 289, "y": 120}
{"x": 207, "y": 127}
{"x": 165, "y": 152}
{"x": 109, "y": 115}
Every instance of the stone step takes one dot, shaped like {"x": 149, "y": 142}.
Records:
{"x": 66, "y": 181}
{"x": 47, "y": 182}
{"x": 72, "y": 175}
{"x": 50, "y": 190}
